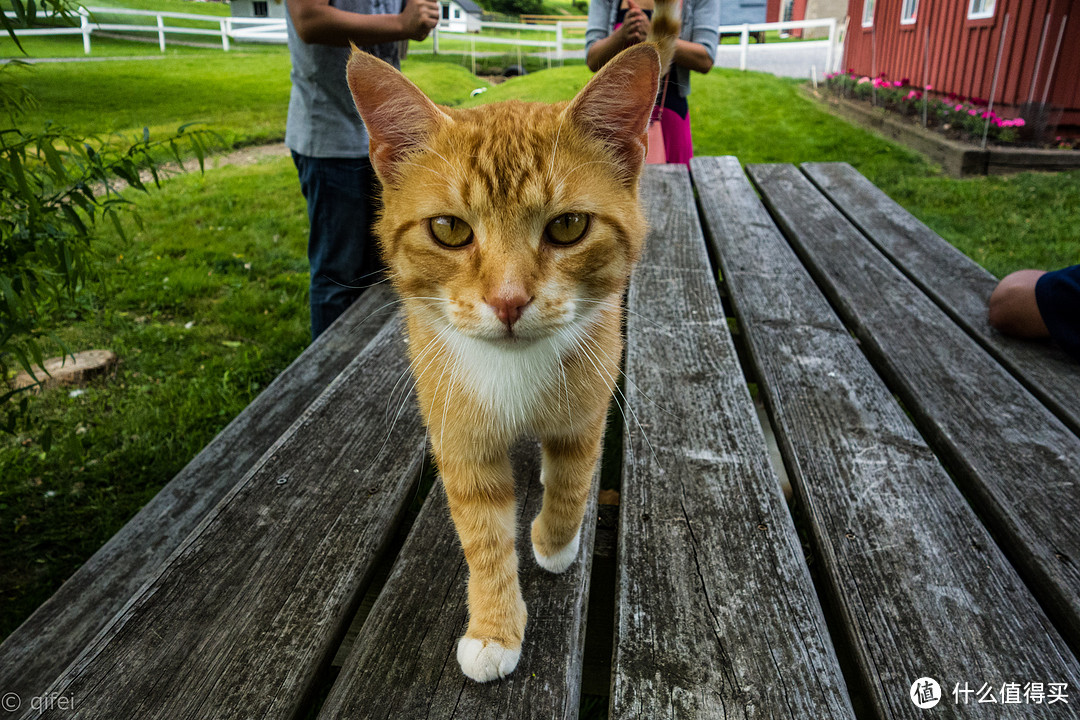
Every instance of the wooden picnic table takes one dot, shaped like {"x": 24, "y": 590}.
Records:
{"x": 300, "y": 566}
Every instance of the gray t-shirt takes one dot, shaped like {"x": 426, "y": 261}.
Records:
{"x": 323, "y": 121}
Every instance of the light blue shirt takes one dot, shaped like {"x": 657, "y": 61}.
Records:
{"x": 700, "y": 23}
{"x": 323, "y": 121}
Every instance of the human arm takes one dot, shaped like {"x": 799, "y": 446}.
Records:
{"x": 699, "y": 51}
{"x": 692, "y": 55}
{"x": 318, "y": 22}
{"x": 1013, "y": 308}
{"x": 634, "y": 29}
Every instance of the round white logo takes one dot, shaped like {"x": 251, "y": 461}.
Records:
{"x": 925, "y": 693}
{"x": 10, "y": 702}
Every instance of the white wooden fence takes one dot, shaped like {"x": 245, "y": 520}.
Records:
{"x": 273, "y": 31}
{"x": 225, "y": 28}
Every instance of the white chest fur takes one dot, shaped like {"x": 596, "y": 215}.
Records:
{"x": 511, "y": 381}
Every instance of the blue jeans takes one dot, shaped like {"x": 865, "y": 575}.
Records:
{"x": 341, "y": 195}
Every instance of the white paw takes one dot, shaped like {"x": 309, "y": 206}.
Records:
{"x": 561, "y": 560}
{"x": 484, "y": 660}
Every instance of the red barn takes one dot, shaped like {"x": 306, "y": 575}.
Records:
{"x": 953, "y": 46}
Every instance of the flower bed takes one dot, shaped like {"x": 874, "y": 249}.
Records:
{"x": 957, "y": 117}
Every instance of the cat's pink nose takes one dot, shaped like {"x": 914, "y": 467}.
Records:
{"x": 508, "y": 306}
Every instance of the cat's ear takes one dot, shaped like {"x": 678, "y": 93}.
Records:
{"x": 614, "y": 108}
{"x": 398, "y": 116}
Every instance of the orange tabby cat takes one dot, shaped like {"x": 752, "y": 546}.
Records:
{"x": 510, "y": 230}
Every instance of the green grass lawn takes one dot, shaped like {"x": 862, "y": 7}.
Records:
{"x": 204, "y": 308}
{"x": 242, "y": 96}
{"x": 208, "y": 301}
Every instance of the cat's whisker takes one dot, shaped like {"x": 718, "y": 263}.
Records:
{"x": 615, "y": 306}
{"x": 626, "y": 420}
{"x": 577, "y": 167}
{"x": 413, "y": 366}
{"x": 433, "y": 171}
{"x": 555, "y": 148}
{"x": 589, "y": 343}
{"x": 404, "y": 402}
{"x": 393, "y": 390}
{"x": 566, "y": 387}
{"x": 357, "y": 287}
{"x": 626, "y": 377}
{"x": 449, "y": 393}
{"x": 376, "y": 311}
{"x": 456, "y": 165}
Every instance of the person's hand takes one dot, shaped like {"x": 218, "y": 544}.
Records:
{"x": 419, "y": 17}
{"x": 635, "y": 27}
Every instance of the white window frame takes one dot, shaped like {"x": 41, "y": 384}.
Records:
{"x": 868, "y": 13}
{"x": 909, "y": 12}
{"x": 987, "y": 11}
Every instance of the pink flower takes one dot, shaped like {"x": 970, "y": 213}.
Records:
{"x": 898, "y": 83}
{"x": 862, "y": 80}
{"x": 929, "y": 87}
{"x": 973, "y": 112}
{"x": 958, "y": 107}
{"x": 1018, "y": 122}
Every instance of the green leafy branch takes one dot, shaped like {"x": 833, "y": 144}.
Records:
{"x": 55, "y": 187}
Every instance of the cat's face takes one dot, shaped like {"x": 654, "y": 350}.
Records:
{"x": 512, "y": 222}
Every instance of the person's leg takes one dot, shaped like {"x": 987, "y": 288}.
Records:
{"x": 342, "y": 251}
{"x": 1013, "y": 309}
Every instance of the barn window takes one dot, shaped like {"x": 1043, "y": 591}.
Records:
{"x": 260, "y": 8}
{"x": 457, "y": 13}
{"x": 445, "y": 12}
{"x": 908, "y": 11}
{"x": 868, "y": 13}
{"x": 980, "y": 9}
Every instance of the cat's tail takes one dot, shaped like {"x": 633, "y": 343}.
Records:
{"x": 664, "y": 30}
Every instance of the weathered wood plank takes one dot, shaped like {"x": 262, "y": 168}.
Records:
{"x": 1018, "y": 462}
{"x": 251, "y": 605}
{"x": 954, "y": 281}
{"x": 39, "y": 650}
{"x": 409, "y": 642}
{"x": 920, "y": 585}
{"x": 717, "y": 615}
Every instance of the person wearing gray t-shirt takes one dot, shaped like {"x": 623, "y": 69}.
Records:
{"x": 329, "y": 143}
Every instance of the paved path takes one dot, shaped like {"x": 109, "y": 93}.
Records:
{"x": 792, "y": 59}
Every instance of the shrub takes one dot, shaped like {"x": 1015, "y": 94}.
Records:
{"x": 967, "y": 117}
{"x": 54, "y": 187}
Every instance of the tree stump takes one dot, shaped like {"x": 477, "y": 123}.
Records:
{"x": 65, "y": 371}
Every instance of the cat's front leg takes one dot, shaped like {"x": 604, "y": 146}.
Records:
{"x": 481, "y": 498}
{"x": 569, "y": 462}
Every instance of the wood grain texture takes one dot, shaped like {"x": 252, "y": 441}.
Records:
{"x": 1018, "y": 462}
{"x": 921, "y": 587}
{"x": 717, "y": 616}
{"x": 954, "y": 281}
{"x": 39, "y": 650}
{"x": 409, "y": 642}
{"x": 252, "y": 604}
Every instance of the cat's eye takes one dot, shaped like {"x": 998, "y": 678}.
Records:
{"x": 567, "y": 229}
{"x": 450, "y": 231}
